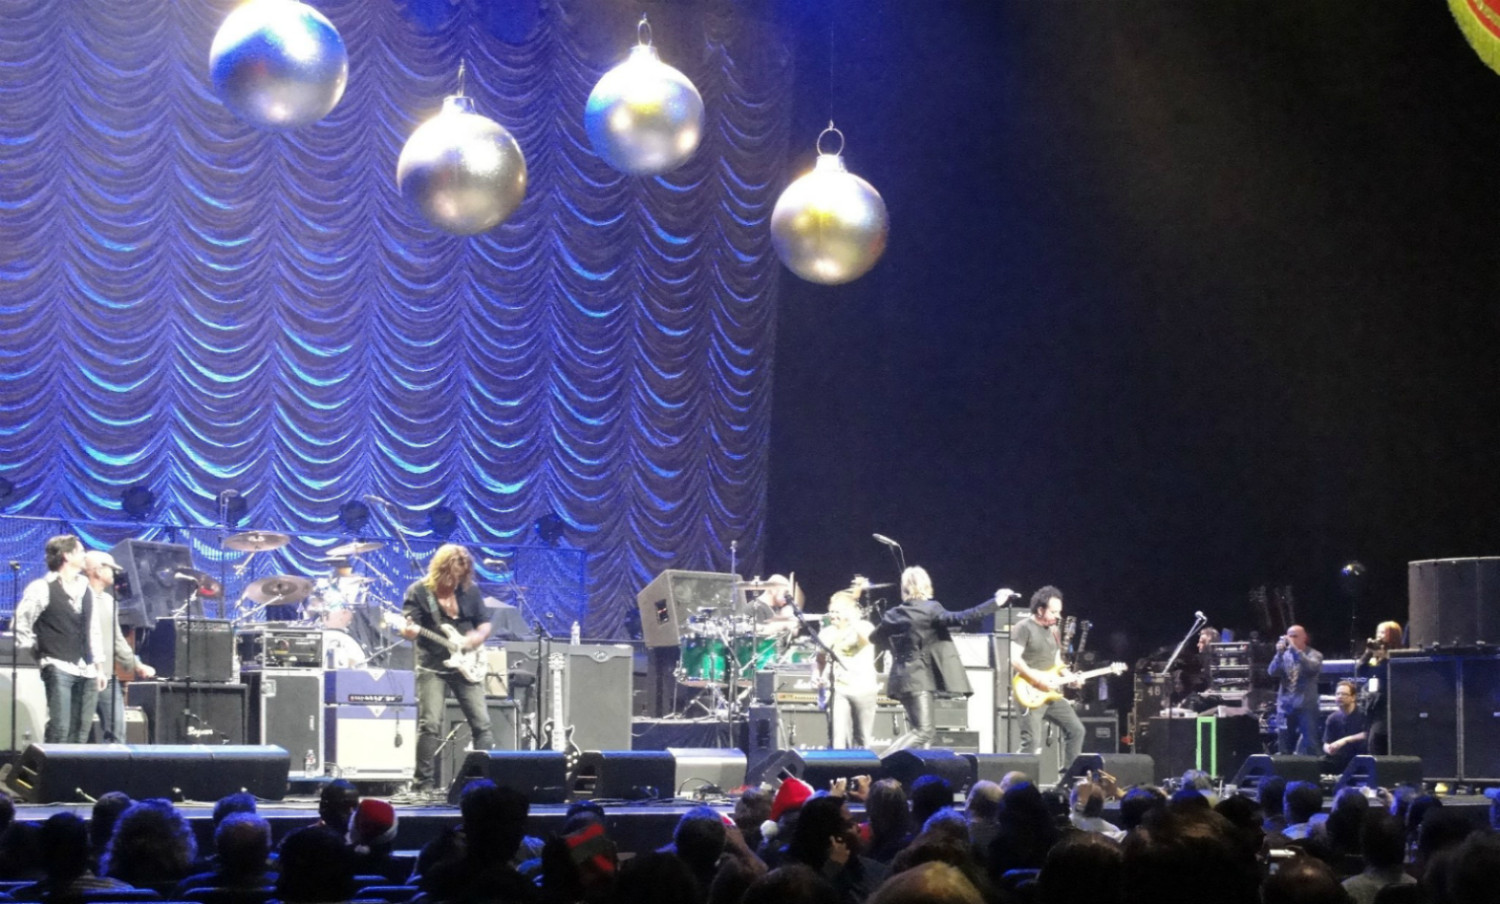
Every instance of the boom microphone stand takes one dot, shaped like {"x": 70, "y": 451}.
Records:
{"x": 1165, "y": 675}
{"x": 15, "y": 600}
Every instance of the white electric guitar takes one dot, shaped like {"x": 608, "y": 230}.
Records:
{"x": 471, "y": 664}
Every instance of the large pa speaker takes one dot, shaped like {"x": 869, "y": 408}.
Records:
{"x": 1480, "y": 727}
{"x": 151, "y": 589}
{"x": 1261, "y": 766}
{"x": 542, "y": 775}
{"x": 196, "y": 649}
{"x": 1380, "y": 772}
{"x": 72, "y": 773}
{"x": 626, "y": 775}
{"x": 286, "y": 709}
{"x": 992, "y": 767}
{"x": 1129, "y": 769}
{"x": 906, "y": 766}
{"x": 666, "y": 603}
{"x": 1422, "y": 693}
{"x": 182, "y": 713}
{"x": 820, "y": 767}
{"x": 1454, "y": 601}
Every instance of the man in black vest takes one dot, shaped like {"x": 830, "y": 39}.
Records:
{"x": 55, "y": 620}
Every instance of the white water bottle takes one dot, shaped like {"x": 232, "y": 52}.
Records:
{"x": 576, "y": 637}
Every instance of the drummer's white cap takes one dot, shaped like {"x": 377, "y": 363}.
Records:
{"x": 99, "y": 559}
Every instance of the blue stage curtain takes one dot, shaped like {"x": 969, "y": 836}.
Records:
{"x": 190, "y": 304}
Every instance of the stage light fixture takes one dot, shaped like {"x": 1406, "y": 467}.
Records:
{"x": 549, "y": 528}
{"x": 7, "y": 490}
{"x": 442, "y": 520}
{"x": 137, "y": 501}
{"x": 354, "y": 515}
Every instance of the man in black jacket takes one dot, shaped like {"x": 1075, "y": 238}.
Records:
{"x": 923, "y": 657}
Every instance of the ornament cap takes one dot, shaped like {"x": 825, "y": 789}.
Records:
{"x": 458, "y": 103}
{"x": 829, "y": 163}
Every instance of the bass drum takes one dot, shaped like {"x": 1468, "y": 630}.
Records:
{"x": 340, "y": 651}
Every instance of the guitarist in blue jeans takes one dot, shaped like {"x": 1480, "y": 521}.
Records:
{"x": 445, "y": 615}
{"x": 1036, "y": 655}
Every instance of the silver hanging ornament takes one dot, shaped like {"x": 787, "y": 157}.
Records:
{"x": 464, "y": 173}
{"x": 644, "y": 117}
{"x": 829, "y": 226}
{"x": 278, "y": 64}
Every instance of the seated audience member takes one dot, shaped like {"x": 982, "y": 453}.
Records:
{"x": 928, "y": 883}
{"x": 1474, "y": 870}
{"x": 1441, "y": 830}
{"x": 1187, "y": 857}
{"x": 1340, "y": 831}
{"x": 1272, "y": 797}
{"x": 929, "y": 794}
{"x": 1304, "y": 800}
{"x": 242, "y": 845}
{"x": 581, "y": 863}
{"x": 336, "y": 803}
{"x": 1246, "y": 823}
{"x": 64, "y": 840}
{"x": 372, "y": 837}
{"x": 982, "y": 810}
{"x": 825, "y": 839}
{"x": 1082, "y": 867}
{"x": 224, "y": 807}
{"x": 889, "y": 820}
{"x": 698, "y": 841}
{"x": 1012, "y": 778}
{"x": 1304, "y": 880}
{"x": 494, "y": 822}
{"x": 654, "y": 878}
{"x": 107, "y": 811}
{"x": 152, "y": 847}
{"x": 1024, "y": 833}
{"x": 791, "y": 884}
{"x": 1138, "y": 803}
{"x": 1417, "y": 808}
{"x": 1086, "y": 811}
{"x": 20, "y": 853}
{"x": 947, "y": 822}
{"x": 752, "y": 808}
{"x": 1382, "y": 844}
{"x": 944, "y": 840}
{"x": 7, "y": 811}
{"x": 315, "y": 866}
{"x": 786, "y": 805}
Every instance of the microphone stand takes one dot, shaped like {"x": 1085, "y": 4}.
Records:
{"x": 1166, "y": 678}
{"x": 411, "y": 557}
{"x": 15, "y": 600}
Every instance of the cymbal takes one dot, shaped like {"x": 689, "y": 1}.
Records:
{"x": 873, "y": 586}
{"x": 356, "y": 548}
{"x": 256, "y": 541}
{"x": 279, "y": 589}
{"x": 760, "y": 585}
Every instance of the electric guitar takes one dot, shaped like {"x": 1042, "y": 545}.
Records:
{"x": 559, "y": 737}
{"x": 471, "y": 664}
{"x": 1029, "y": 696}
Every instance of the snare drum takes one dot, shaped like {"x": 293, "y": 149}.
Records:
{"x": 340, "y": 651}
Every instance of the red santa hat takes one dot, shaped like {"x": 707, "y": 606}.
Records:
{"x": 374, "y": 823}
{"x": 792, "y": 794}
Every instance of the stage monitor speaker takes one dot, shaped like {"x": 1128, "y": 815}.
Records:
{"x": 30, "y": 699}
{"x": 1129, "y": 769}
{"x": 542, "y": 775}
{"x": 505, "y": 725}
{"x": 1422, "y": 694}
{"x": 820, "y": 767}
{"x": 1454, "y": 601}
{"x": 992, "y": 767}
{"x": 626, "y": 775}
{"x": 180, "y": 713}
{"x": 1261, "y": 766}
{"x": 195, "y": 649}
{"x": 906, "y": 766}
{"x": 672, "y": 596}
{"x": 701, "y": 768}
{"x": 286, "y": 709}
{"x": 151, "y": 589}
{"x": 1480, "y": 726}
{"x": 74, "y": 773}
{"x": 1380, "y": 772}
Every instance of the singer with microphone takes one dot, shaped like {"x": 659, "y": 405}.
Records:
{"x": 1296, "y": 666}
{"x": 55, "y": 620}
{"x": 924, "y": 659}
{"x": 100, "y": 568}
{"x": 445, "y": 615}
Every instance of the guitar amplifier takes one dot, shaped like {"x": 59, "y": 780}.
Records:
{"x": 197, "y": 649}
{"x": 272, "y": 649}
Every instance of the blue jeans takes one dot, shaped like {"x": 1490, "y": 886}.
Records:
{"x": 432, "y": 689}
{"x": 111, "y": 708}
{"x": 1301, "y": 730}
{"x": 70, "y": 706}
{"x": 1061, "y": 714}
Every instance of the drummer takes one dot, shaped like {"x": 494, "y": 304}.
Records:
{"x": 344, "y": 594}
{"x": 775, "y": 611}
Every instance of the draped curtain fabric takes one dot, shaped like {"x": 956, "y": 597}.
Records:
{"x": 192, "y": 305}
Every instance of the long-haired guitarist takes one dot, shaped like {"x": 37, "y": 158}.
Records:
{"x": 448, "y": 605}
{"x": 855, "y": 687}
{"x": 1036, "y": 656}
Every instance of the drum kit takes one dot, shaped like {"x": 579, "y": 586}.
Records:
{"x": 328, "y": 604}
{"x": 716, "y": 644}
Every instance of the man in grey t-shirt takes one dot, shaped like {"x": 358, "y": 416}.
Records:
{"x": 1036, "y": 656}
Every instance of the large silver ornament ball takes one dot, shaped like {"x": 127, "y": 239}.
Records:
{"x": 830, "y": 225}
{"x": 463, "y": 172}
{"x": 278, "y": 64}
{"x": 644, "y": 117}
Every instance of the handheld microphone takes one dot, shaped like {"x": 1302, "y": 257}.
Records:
{"x": 493, "y": 563}
{"x": 371, "y": 497}
{"x": 884, "y": 539}
{"x": 184, "y": 576}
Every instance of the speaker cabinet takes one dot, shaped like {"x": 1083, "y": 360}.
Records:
{"x": 906, "y": 766}
{"x": 459, "y": 741}
{"x": 699, "y": 768}
{"x": 286, "y": 709}
{"x": 820, "y": 767}
{"x": 1101, "y": 734}
{"x": 191, "y": 649}
{"x": 1129, "y": 769}
{"x": 73, "y": 773}
{"x": 1480, "y": 725}
{"x": 992, "y": 767}
{"x": 180, "y": 713}
{"x": 597, "y": 690}
{"x": 1366, "y": 771}
{"x": 1423, "y": 698}
{"x": 626, "y": 775}
{"x": 1261, "y": 766}
{"x": 1454, "y": 601}
{"x": 151, "y": 590}
{"x": 31, "y": 706}
{"x": 542, "y": 775}
{"x": 672, "y": 596}
{"x": 372, "y": 741}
